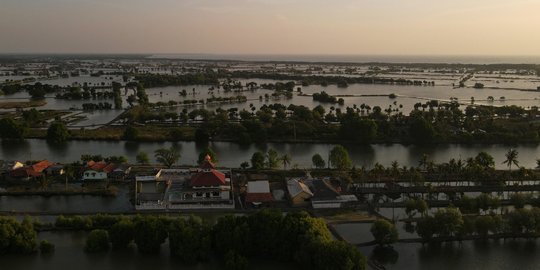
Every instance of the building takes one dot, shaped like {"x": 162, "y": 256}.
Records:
{"x": 205, "y": 187}
{"x": 120, "y": 172}
{"x": 149, "y": 192}
{"x": 299, "y": 192}
{"x": 195, "y": 188}
{"x": 327, "y": 194}
{"x": 8, "y": 166}
{"x": 55, "y": 170}
{"x": 98, "y": 171}
{"x": 30, "y": 172}
{"x": 258, "y": 192}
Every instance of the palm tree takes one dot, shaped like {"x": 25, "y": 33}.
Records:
{"x": 423, "y": 161}
{"x": 167, "y": 157}
{"x": 511, "y": 158}
{"x": 286, "y": 159}
{"x": 44, "y": 182}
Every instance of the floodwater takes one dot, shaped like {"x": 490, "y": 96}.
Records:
{"x": 232, "y": 154}
{"x": 407, "y": 95}
{"x": 69, "y": 253}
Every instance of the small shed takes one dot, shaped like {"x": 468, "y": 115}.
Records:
{"x": 258, "y": 192}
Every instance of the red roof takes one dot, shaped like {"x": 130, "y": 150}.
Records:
{"x": 101, "y": 166}
{"x": 42, "y": 165}
{"x": 208, "y": 178}
{"x": 259, "y": 197}
{"x": 109, "y": 168}
{"x": 207, "y": 164}
{"x": 97, "y": 166}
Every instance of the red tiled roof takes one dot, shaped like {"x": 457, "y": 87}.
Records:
{"x": 259, "y": 197}
{"x": 97, "y": 166}
{"x": 109, "y": 168}
{"x": 42, "y": 165}
{"x": 208, "y": 178}
{"x": 101, "y": 166}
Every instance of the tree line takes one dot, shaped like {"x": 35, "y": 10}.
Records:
{"x": 294, "y": 237}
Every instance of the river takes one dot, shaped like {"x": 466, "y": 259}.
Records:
{"x": 232, "y": 154}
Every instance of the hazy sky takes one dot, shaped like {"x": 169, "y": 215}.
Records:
{"x": 486, "y": 27}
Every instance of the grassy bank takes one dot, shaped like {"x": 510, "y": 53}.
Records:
{"x": 22, "y": 104}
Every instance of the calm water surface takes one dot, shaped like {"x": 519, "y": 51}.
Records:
{"x": 232, "y": 154}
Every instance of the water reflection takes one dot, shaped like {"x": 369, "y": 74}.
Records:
{"x": 131, "y": 148}
{"x": 16, "y": 147}
{"x": 385, "y": 254}
{"x": 59, "y": 149}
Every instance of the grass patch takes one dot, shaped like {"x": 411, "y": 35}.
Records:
{"x": 22, "y": 104}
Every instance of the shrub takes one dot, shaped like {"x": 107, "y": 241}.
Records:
{"x": 46, "y": 247}
{"x": 97, "y": 241}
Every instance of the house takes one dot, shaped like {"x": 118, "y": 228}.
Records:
{"x": 196, "y": 188}
{"x": 28, "y": 172}
{"x": 8, "y": 166}
{"x": 205, "y": 187}
{"x": 98, "y": 171}
{"x": 258, "y": 192}
{"x": 120, "y": 172}
{"x": 55, "y": 170}
{"x": 299, "y": 193}
{"x": 327, "y": 194}
{"x": 41, "y": 166}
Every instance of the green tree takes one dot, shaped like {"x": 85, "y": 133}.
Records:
{"x": 150, "y": 233}
{"x": 421, "y": 130}
{"x": 426, "y": 227}
{"x": 201, "y": 135}
{"x": 384, "y": 232}
{"x": 37, "y": 91}
{"x": 257, "y": 160}
{"x": 448, "y": 220}
{"x": 244, "y": 165}
{"x": 142, "y": 158}
{"x": 285, "y": 160}
{"x": 117, "y": 95}
{"x": 483, "y": 225}
{"x": 190, "y": 240}
{"x": 122, "y": 233}
{"x": 131, "y": 133}
{"x": 97, "y": 241}
{"x": 272, "y": 159}
{"x": 485, "y": 160}
{"x": 207, "y": 151}
{"x": 11, "y": 129}
{"x": 339, "y": 158}
{"x": 167, "y": 157}
{"x": 142, "y": 97}
{"x": 235, "y": 261}
{"x": 318, "y": 161}
{"x": 511, "y": 158}
{"x": 46, "y": 247}
{"x": 57, "y": 132}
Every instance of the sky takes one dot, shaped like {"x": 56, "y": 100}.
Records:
{"x": 361, "y": 27}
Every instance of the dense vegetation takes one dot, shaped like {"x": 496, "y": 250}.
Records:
{"x": 17, "y": 237}
{"x": 450, "y": 222}
{"x": 430, "y": 122}
{"x": 295, "y": 237}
